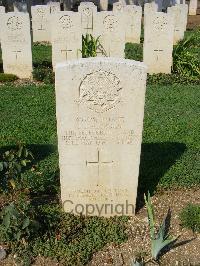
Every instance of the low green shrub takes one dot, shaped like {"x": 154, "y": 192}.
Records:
{"x": 134, "y": 51}
{"x": 17, "y": 223}
{"x": 12, "y": 163}
{"x": 44, "y": 74}
{"x": 190, "y": 217}
{"x": 7, "y": 77}
{"x": 170, "y": 79}
{"x": 185, "y": 57}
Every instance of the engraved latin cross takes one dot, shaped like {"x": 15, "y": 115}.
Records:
{"x": 99, "y": 162}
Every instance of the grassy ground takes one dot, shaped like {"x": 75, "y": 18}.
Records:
{"x": 169, "y": 158}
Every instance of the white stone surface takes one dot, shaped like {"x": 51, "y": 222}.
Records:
{"x": 193, "y": 7}
{"x": 99, "y": 108}
{"x": 103, "y": 5}
{"x": 88, "y": 11}
{"x": 133, "y": 19}
{"x": 118, "y": 6}
{"x": 149, "y": 10}
{"x": 41, "y": 23}
{"x": 179, "y": 12}
{"x": 158, "y": 43}
{"x": 66, "y": 36}
{"x": 16, "y": 44}
{"x": 110, "y": 26}
{"x": 2, "y": 11}
{"x": 54, "y": 7}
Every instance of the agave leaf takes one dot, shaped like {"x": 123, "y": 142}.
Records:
{"x": 159, "y": 244}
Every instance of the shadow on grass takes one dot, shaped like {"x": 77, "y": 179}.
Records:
{"x": 156, "y": 159}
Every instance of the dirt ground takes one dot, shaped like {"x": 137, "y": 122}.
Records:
{"x": 194, "y": 21}
{"x": 186, "y": 250}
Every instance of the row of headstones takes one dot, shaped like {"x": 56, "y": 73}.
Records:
{"x": 161, "y": 31}
{"x": 102, "y": 4}
{"x": 87, "y": 12}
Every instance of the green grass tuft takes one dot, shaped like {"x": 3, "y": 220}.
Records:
{"x": 190, "y": 217}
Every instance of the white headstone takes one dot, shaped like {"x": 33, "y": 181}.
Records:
{"x": 16, "y": 44}
{"x": 179, "y": 12}
{"x": 54, "y": 7}
{"x": 103, "y": 5}
{"x": 100, "y": 108}
{"x": 118, "y": 7}
{"x": 2, "y": 11}
{"x": 149, "y": 10}
{"x": 193, "y": 7}
{"x": 110, "y": 26}
{"x": 158, "y": 43}
{"x": 133, "y": 19}
{"x": 41, "y": 23}
{"x": 66, "y": 36}
{"x": 88, "y": 11}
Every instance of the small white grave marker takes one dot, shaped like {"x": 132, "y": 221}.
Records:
{"x": 66, "y": 36}
{"x": 41, "y": 23}
{"x": 110, "y": 26}
{"x": 88, "y": 11}
{"x": 158, "y": 43}
{"x": 16, "y": 44}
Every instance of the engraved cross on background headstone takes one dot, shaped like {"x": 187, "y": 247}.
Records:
{"x": 16, "y": 53}
{"x": 66, "y": 52}
{"x": 99, "y": 162}
{"x": 157, "y": 50}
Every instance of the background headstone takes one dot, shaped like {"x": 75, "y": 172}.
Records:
{"x": 54, "y": 7}
{"x": 41, "y": 23}
{"x": 193, "y": 7}
{"x": 149, "y": 10}
{"x": 179, "y": 12}
{"x": 2, "y": 11}
{"x": 16, "y": 44}
{"x": 110, "y": 26}
{"x": 103, "y": 5}
{"x": 133, "y": 19}
{"x": 158, "y": 43}
{"x": 88, "y": 11}
{"x": 66, "y": 36}
{"x": 100, "y": 108}
{"x": 118, "y": 7}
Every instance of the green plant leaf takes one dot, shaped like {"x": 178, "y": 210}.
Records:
{"x": 26, "y": 223}
{"x": 6, "y": 220}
